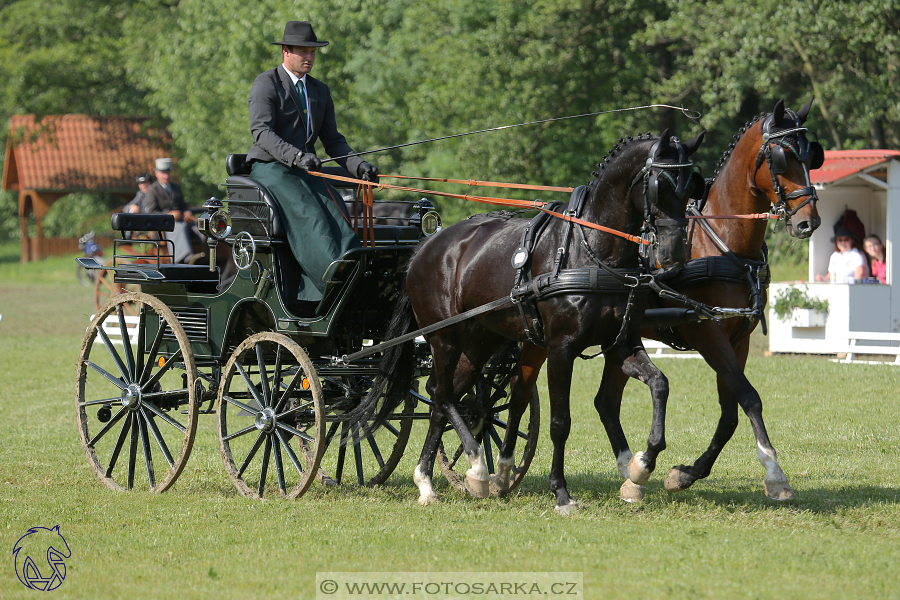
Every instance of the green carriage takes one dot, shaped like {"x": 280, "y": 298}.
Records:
{"x": 227, "y": 338}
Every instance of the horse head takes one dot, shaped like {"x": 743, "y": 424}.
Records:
{"x": 669, "y": 182}
{"x": 788, "y": 155}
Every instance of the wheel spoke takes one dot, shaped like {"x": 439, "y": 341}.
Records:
{"x": 126, "y": 342}
{"x": 289, "y": 451}
{"x": 252, "y": 453}
{"x": 492, "y": 431}
{"x": 263, "y": 375}
{"x": 162, "y": 370}
{"x": 342, "y": 454}
{"x": 237, "y": 434}
{"x": 108, "y": 426}
{"x": 142, "y": 326}
{"x": 294, "y": 410}
{"x": 159, "y": 413}
{"x": 154, "y": 429}
{"x": 250, "y": 387}
{"x": 297, "y": 432}
{"x": 148, "y": 458}
{"x": 488, "y": 452}
{"x": 265, "y": 467}
{"x": 118, "y": 447}
{"x": 357, "y": 454}
{"x": 376, "y": 451}
{"x": 113, "y": 400}
{"x": 240, "y": 405}
{"x": 112, "y": 352}
{"x": 107, "y": 375}
{"x": 276, "y": 374}
{"x": 132, "y": 453}
{"x": 285, "y": 396}
{"x": 279, "y": 470}
{"x": 151, "y": 356}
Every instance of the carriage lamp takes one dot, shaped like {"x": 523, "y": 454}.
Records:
{"x": 426, "y": 218}
{"x": 215, "y": 225}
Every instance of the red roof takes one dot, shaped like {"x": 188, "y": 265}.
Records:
{"x": 78, "y": 152}
{"x": 843, "y": 163}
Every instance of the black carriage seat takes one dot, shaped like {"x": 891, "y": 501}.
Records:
{"x": 238, "y": 171}
{"x": 195, "y": 278}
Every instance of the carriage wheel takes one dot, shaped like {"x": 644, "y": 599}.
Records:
{"x": 270, "y": 394}
{"x": 365, "y": 459}
{"x": 134, "y": 395}
{"x": 485, "y": 409}
{"x": 105, "y": 289}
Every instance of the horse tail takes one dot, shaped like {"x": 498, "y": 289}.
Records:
{"x": 395, "y": 372}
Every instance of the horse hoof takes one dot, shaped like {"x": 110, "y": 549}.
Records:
{"x": 478, "y": 488}
{"x": 779, "y": 490}
{"x": 499, "y": 485}
{"x": 631, "y": 492}
{"x": 567, "y": 509}
{"x": 427, "y": 500}
{"x": 678, "y": 480}
{"x": 637, "y": 469}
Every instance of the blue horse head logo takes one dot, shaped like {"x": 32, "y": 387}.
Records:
{"x": 49, "y": 548}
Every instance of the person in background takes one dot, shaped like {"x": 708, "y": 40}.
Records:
{"x": 877, "y": 263}
{"x": 137, "y": 203}
{"x": 847, "y": 263}
{"x": 165, "y": 197}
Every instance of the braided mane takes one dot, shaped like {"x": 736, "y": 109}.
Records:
{"x": 607, "y": 158}
{"x": 727, "y": 154}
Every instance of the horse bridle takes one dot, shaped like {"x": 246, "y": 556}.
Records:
{"x": 679, "y": 182}
{"x": 775, "y": 141}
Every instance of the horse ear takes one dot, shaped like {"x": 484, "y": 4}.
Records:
{"x": 663, "y": 142}
{"x": 778, "y": 112}
{"x": 804, "y": 112}
{"x": 692, "y": 144}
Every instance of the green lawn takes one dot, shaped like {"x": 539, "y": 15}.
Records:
{"x": 837, "y": 437}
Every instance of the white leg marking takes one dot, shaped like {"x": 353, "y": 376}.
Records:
{"x": 637, "y": 469}
{"x": 426, "y": 491}
{"x": 478, "y": 477}
{"x": 776, "y": 483}
{"x": 500, "y": 481}
{"x": 622, "y": 463}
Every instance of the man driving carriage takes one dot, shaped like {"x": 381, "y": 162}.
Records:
{"x": 289, "y": 111}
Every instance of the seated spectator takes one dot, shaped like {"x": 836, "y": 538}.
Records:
{"x": 877, "y": 263}
{"x": 137, "y": 203}
{"x": 847, "y": 263}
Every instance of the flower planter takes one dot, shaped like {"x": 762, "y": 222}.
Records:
{"x": 808, "y": 317}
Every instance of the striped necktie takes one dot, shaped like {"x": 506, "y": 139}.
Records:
{"x": 303, "y": 105}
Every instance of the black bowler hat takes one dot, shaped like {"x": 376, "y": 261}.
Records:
{"x": 299, "y": 33}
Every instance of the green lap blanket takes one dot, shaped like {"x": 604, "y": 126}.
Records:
{"x": 316, "y": 227}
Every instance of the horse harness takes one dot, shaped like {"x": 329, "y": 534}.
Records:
{"x": 776, "y": 142}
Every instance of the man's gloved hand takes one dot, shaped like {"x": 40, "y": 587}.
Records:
{"x": 307, "y": 161}
{"x": 367, "y": 172}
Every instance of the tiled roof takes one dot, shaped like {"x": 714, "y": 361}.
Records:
{"x": 843, "y": 163}
{"x": 78, "y": 152}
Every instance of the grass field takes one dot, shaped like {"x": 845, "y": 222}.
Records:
{"x": 836, "y": 427}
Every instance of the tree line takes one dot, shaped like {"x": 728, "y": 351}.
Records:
{"x": 404, "y": 70}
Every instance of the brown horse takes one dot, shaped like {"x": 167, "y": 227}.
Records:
{"x": 767, "y": 167}
{"x": 645, "y": 181}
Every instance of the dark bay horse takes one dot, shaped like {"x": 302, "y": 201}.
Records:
{"x": 768, "y": 166}
{"x": 468, "y": 265}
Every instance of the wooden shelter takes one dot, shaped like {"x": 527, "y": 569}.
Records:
{"x": 57, "y": 155}
{"x": 862, "y": 316}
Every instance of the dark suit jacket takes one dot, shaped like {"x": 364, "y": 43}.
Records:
{"x": 276, "y": 125}
{"x": 158, "y": 201}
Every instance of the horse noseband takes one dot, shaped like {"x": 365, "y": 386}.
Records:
{"x": 773, "y": 151}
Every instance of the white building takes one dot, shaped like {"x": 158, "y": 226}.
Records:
{"x": 867, "y": 181}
